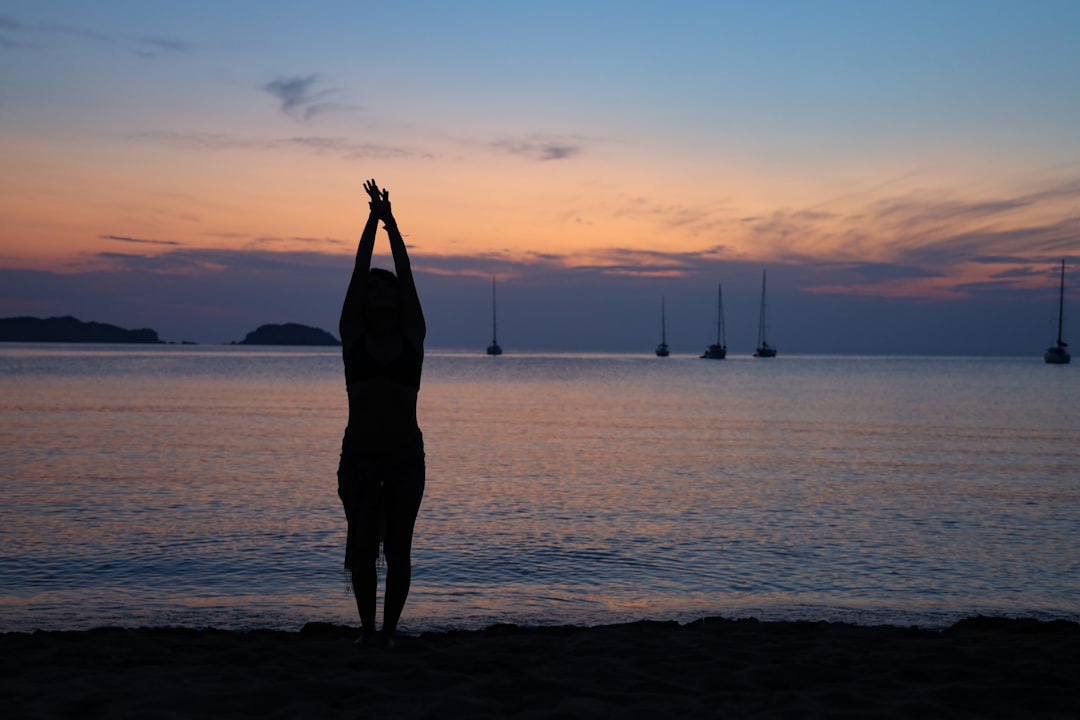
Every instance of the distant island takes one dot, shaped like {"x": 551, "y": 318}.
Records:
{"x": 70, "y": 330}
{"x": 289, "y": 334}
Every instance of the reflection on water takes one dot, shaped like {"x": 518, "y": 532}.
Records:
{"x": 197, "y": 486}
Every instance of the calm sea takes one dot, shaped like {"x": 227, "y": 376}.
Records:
{"x": 192, "y": 485}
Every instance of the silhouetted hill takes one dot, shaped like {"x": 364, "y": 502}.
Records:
{"x": 69, "y": 329}
{"x": 289, "y": 334}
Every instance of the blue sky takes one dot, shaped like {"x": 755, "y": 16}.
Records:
{"x": 908, "y": 173}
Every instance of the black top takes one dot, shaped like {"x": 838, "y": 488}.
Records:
{"x": 404, "y": 369}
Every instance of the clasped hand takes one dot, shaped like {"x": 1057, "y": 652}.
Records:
{"x": 380, "y": 201}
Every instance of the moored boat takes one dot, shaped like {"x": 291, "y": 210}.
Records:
{"x": 718, "y": 350}
{"x": 494, "y": 348}
{"x": 1056, "y": 354}
{"x": 764, "y": 349}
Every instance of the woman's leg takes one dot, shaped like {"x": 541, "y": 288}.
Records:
{"x": 403, "y": 494}
{"x": 398, "y": 551}
{"x": 358, "y": 489}
{"x": 365, "y": 581}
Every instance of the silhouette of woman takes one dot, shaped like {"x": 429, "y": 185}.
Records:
{"x": 381, "y": 473}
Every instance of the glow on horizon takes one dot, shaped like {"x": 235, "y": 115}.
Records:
{"x": 635, "y": 137}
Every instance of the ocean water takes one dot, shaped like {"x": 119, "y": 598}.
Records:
{"x": 192, "y": 485}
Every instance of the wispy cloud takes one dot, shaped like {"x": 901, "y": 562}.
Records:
{"x": 254, "y": 260}
{"x": 17, "y": 34}
{"x": 301, "y": 99}
{"x": 1046, "y": 240}
{"x": 291, "y": 244}
{"x": 11, "y": 34}
{"x": 152, "y": 46}
{"x": 689, "y": 220}
{"x": 343, "y": 147}
{"x": 540, "y": 148}
{"x": 919, "y": 244}
{"x": 931, "y": 227}
{"x": 143, "y": 241}
{"x": 346, "y": 148}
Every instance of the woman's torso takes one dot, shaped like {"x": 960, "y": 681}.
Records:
{"x": 383, "y": 380}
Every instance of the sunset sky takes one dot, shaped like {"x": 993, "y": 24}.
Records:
{"x": 908, "y": 173}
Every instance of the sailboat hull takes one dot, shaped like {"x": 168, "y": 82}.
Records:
{"x": 715, "y": 352}
{"x": 765, "y": 352}
{"x": 1057, "y": 356}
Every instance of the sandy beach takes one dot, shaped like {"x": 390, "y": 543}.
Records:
{"x": 978, "y": 668}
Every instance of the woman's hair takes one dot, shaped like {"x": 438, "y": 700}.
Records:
{"x": 384, "y": 274}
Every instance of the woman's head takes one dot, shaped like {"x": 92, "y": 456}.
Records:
{"x": 382, "y": 291}
{"x": 382, "y": 274}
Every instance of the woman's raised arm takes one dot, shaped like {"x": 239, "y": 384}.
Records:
{"x": 350, "y": 326}
{"x": 412, "y": 313}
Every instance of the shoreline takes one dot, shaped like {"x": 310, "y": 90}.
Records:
{"x": 978, "y": 667}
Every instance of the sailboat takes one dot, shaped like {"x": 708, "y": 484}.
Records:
{"x": 1057, "y": 354}
{"x": 493, "y": 348}
{"x": 764, "y": 349}
{"x": 718, "y": 350}
{"x": 662, "y": 349}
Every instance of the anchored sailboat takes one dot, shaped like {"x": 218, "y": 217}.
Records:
{"x": 718, "y": 350}
{"x": 493, "y": 348}
{"x": 764, "y": 349}
{"x": 662, "y": 349}
{"x": 1057, "y": 354}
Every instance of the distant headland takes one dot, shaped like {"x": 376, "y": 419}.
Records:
{"x": 68, "y": 329}
{"x": 288, "y": 334}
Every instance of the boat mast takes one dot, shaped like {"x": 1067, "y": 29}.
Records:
{"x": 720, "y": 315}
{"x": 494, "y": 341}
{"x": 761, "y": 324}
{"x": 663, "y": 326}
{"x": 493, "y": 348}
{"x": 1061, "y": 301}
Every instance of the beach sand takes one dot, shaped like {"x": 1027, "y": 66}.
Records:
{"x": 978, "y": 668}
